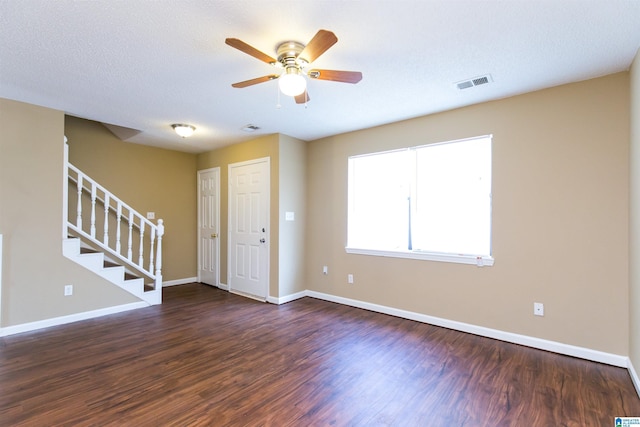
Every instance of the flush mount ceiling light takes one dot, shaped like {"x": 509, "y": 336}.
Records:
{"x": 183, "y": 130}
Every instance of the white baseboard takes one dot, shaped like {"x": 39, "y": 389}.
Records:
{"x": 55, "y": 321}
{"x": 179, "y": 281}
{"x": 287, "y": 298}
{"x": 223, "y": 286}
{"x": 553, "y": 346}
{"x": 634, "y": 377}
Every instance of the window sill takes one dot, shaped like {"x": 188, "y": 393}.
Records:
{"x": 480, "y": 261}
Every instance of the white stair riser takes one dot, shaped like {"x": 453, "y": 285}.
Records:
{"x": 115, "y": 275}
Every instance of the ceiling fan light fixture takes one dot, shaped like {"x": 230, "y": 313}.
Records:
{"x": 292, "y": 82}
{"x": 183, "y": 130}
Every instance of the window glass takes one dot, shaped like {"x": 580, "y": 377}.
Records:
{"x": 434, "y": 198}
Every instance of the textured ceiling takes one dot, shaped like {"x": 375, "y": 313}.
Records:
{"x": 144, "y": 65}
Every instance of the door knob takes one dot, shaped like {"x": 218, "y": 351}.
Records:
{"x": 262, "y": 240}
{"x": 214, "y": 235}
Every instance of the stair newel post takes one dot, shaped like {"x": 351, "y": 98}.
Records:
{"x": 152, "y": 239}
{"x": 159, "y": 255}
{"x": 93, "y": 209}
{"x": 130, "y": 242}
{"x": 118, "y": 232}
{"x": 141, "y": 257}
{"x": 105, "y": 238}
{"x": 79, "y": 204}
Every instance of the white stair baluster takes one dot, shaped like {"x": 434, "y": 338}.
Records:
{"x": 79, "y": 206}
{"x": 93, "y": 209}
{"x": 118, "y": 232}
{"x": 153, "y": 240}
{"x": 159, "y": 254}
{"x": 141, "y": 257}
{"x": 105, "y": 238}
{"x": 122, "y": 211}
{"x": 130, "y": 244}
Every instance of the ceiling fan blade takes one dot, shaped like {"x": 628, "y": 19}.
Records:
{"x": 336, "y": 76}
{"x": 303, "y": 98}
{"x": 318, "y": 45}
{"x": 255, "y": 81}
{"x": 250, "y": 50}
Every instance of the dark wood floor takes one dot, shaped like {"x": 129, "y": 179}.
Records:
{"x": 210, "y": 358}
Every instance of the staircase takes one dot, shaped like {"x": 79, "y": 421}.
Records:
{"x": 104, "y": 236}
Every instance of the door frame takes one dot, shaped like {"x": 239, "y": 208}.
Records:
{"x": 217, "y": 261}
{"x": 267, "y": 161}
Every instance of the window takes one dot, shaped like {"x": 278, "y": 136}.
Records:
{"x": 427, "y": 202}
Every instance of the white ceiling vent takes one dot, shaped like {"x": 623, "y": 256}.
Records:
{"x": 250, "y": 128}
{"x": 476, "y": 81}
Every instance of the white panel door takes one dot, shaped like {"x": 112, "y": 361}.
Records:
{"x": 208, "y": 226}
{"x": 248, "y": 228}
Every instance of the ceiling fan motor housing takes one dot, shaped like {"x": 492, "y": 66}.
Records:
{"x": 288, "y": 54}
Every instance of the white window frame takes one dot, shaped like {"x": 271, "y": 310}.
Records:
{"x": 478, "y": 260}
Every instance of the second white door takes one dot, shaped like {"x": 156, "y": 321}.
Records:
{"x": 248, "y": 228}
{"x": 208, "y": 226}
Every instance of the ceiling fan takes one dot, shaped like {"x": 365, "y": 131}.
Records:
{"x": 295, "y": 58}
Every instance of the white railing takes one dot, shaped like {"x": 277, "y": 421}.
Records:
{"x": 107, "y": 212}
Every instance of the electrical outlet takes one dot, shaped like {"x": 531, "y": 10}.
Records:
{"x": 68, "y": 290}
{"x": 349, "y": 278}
{"x": 538, "y": 309}
{"x": 151, "y": 215}
{"x": 325, "y": 270}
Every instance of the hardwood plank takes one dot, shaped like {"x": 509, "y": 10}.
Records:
{"x": 206, "y": 357}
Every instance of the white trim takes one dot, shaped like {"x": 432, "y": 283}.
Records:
{"x": 55, "y": 321}
{"x": 179, "y": 281}
{"x": 553, "y": 346}
{"x": 634, "y": 377}
{"x": 65, "y": 189}
{"x": 287, "y": 298}
{"x": 223, "y": 286}
{"x": 478, "y": 260}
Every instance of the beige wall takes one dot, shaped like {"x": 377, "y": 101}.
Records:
{"x": 634, "y": 253}
{"x": 292, "y": 239}
{"x": 560, "y": 214}
{"x": 287, "y": 193}
{"x": 34, "y": 270}
{"x": 560, "y": 218}
{"x": 266, "y": 146}
{"x": 149, "y": 180}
